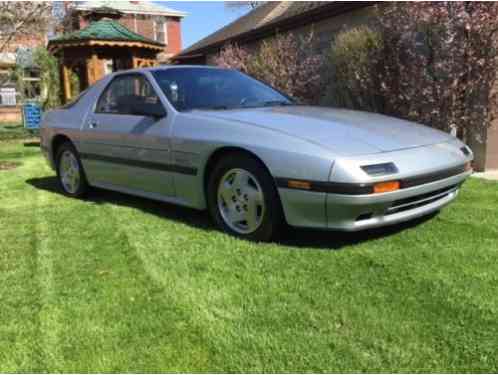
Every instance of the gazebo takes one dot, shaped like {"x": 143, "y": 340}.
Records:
{"x": 100, "y": 48}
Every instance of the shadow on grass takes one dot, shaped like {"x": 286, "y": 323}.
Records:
{"x": 294, "y": 237}
{"x": 11, "y": 127}
{"x": 31, "y": 144}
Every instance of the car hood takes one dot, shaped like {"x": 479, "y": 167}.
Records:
{"x": 343, "y": 131}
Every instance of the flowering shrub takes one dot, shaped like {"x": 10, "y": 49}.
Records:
{"x": 439, "y": 63}
{"x": 285, "y": 62}
{"x": 234, "y": 57}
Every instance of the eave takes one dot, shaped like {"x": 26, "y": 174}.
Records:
{"x": 330, "y": 10}
{"x": 55, "y": 46}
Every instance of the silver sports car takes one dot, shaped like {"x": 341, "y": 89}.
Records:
{"x": 217, "y": 139}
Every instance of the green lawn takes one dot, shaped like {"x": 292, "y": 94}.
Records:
{"x": 13, "y": 131}
{"x": 116, "y": 283}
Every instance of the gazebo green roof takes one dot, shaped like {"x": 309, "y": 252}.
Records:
{"x": 105, "y": 30}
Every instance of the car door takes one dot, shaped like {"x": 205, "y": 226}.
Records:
{"x": 123, "y": 148}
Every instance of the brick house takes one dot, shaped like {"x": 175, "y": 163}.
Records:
{"x": 10, "y": 94}
{"x": 326, "y": 19}
{"x": 153, "y": 21}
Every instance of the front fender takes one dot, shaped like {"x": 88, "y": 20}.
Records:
{"x": 285, "y": 156}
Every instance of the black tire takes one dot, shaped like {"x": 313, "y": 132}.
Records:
{"x": 82, "y": 186}
{"x": 272, "y": 220}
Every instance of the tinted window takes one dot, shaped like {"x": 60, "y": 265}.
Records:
{"x": 208, "y": 88}
{"x": 125, "y": 93}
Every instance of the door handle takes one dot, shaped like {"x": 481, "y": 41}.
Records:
{"x": 92, "y": 124}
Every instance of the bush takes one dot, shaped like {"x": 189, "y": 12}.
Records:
{"x": 285, "y": 62}
{"x": 440, "y": 64}
{"x": 49, "y": 78}
{"x": 232, "y": 56}
{"x": 352, "y": 63}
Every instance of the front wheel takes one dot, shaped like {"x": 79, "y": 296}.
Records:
{"x": 243, "y": 200}
{"x": 70, "y": 171}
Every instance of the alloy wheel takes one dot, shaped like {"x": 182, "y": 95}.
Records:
{"x": 240, "y": 201}
{"x": 69, "y": 172}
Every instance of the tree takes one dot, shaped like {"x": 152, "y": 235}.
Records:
{"x": 49, "y": 78}
{"x": 243, "y": 4}
{"x": 439, "y": 63}
{"x": 18, "y": 19}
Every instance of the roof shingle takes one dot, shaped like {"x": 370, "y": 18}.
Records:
{"x": 137, "y": 7}
{"x": 104, "y": 30}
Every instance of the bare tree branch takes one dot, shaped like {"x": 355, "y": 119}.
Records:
{"x": 22, "y": 19}
{"x": 235, "y": 5}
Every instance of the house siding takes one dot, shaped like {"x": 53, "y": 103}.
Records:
{"x": 324, "y": 30}
{"x": 25, "y": 41}
{"x": 10, "y": 115}
{"x": 491, "y": 161}
{"x": 174, "y": 36}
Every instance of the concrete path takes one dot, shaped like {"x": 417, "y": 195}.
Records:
{"x": 488, "y": 175}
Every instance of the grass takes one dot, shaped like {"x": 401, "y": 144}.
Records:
{"x": 12, "y": 131}
{"x": 121, "y": 284}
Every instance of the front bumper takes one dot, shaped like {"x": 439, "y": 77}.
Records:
{"x": 353, "y": 213}
{"x": 359, "y": 212}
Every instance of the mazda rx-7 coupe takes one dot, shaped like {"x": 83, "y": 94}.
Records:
{"x": 217, "y": 139}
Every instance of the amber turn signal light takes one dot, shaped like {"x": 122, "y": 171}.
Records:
{"x": 385, "y": 187}
{"x": 295, "y": 184}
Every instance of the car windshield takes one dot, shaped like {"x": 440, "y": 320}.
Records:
{"x": 216, "y": 89}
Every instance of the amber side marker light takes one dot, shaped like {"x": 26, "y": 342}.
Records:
{"x": 386, "y": 187}
{"x": 294, "y": 184}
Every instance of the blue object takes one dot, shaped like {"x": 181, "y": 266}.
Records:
{"x": 32, "y": 114}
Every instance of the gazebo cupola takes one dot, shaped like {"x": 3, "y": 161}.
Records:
{"x": 104, "y": 46}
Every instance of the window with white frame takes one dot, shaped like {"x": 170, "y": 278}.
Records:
{"x": 161, "y": 30}
{"x": 7, "y": 96}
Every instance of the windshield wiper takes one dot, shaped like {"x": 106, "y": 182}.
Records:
{"x": 216, "y": 107}
{"x": 213, "y": 108}
{"x": 270, "y": 103}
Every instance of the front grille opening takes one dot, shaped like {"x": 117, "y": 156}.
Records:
{"x": 420, "y": 200}
{"x": 364, "y": 216}
{"x": 416, "y": 205}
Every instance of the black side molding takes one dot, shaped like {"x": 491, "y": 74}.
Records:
{"x": 142, "y": 164}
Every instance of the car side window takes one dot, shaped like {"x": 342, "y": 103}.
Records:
{"x": 125, "y": 93}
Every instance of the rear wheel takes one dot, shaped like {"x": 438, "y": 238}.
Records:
{"x": 243, "y": 200}
{"x": 70, "y": 171}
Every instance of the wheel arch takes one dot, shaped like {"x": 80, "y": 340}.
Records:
{"x": 216, "y": 156}
{"x": 56, "y": 142}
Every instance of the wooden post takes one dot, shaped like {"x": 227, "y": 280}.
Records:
{"x": 66, "y": 82}
{"x": 93, "y": 69}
